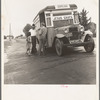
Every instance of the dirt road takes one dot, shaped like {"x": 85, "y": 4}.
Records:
{"x": 75, "y": 67}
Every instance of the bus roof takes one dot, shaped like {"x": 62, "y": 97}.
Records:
{"x": 53, "y": 7}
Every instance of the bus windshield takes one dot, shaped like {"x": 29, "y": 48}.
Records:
{"x": 61, "y": 23}
{"x": 65, "y": 19}
{"x": 62, "y": 19}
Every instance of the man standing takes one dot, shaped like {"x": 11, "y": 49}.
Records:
{"x": 33, "y": 36}
{"x": 42, "y": 38}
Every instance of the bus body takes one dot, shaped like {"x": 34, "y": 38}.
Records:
{"x": 63, "y": 27}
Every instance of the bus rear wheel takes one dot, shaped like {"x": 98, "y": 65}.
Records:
{"x": 59, "y": 47}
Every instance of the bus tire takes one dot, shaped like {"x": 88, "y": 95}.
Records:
{"x": 89, "y": 47}
{"x": 59, "y": 47}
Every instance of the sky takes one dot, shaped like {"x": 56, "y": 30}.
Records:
{"x": 20, "y": 12}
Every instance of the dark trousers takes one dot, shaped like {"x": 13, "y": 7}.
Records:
{"x": 33, "y": 45}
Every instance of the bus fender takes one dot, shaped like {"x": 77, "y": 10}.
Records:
{"x": 88, "y": 32}
{"x": 60, "y": 35}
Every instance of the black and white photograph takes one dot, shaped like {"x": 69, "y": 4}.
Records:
{"x": 50, "y": 42}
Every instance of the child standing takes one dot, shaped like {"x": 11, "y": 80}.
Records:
{"x": 29, "y": 43}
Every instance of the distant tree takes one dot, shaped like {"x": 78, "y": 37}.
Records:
{"x": 21, "y": 35}
{"x": 92, "y": 27}
{"x": 83, "y": 18}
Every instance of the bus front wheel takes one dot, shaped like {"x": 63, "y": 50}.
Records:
{"x": 59, "y": 47}
{"x": 89, "y": 47}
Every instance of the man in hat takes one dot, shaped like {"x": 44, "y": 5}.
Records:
{"x": 42, "y": 38}
{"x": 33, "y": 36}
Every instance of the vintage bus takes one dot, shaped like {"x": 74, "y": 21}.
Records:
{"x": 63, "y": 27}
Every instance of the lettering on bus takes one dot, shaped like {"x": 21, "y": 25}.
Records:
{"x": 62, "y": 18}
{"x": 62, "y": 6}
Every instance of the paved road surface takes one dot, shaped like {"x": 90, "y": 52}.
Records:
{"x": 75, "y": 67}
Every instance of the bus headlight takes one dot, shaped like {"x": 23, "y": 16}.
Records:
{"x": 66, "y": 30}
{"x": 82, "y": 29}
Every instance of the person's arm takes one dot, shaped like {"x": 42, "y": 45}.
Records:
{"x": 41, "y": 31}
{"x": 30, "y": 40}
{"x": 30, "y": 30}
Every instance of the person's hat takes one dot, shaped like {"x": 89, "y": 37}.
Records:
{"x": 33, "y": 25}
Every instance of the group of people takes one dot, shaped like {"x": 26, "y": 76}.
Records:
{"x": 32, "y": 40}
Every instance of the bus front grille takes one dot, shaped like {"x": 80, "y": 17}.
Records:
{"x": 75, "y": 36}
{"x": 73, "y": 29}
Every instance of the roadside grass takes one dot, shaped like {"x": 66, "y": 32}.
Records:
{"x": 7, "y": 43}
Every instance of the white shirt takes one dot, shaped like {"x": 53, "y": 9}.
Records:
{"x": 33, "y": 32}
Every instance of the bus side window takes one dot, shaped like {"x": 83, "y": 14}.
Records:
{"x": 48, "y": 19}
{"x": 76, "y": 19}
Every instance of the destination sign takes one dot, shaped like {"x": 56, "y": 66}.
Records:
{"x": 62, "y": 6}
{"x": 55, "y": 18}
